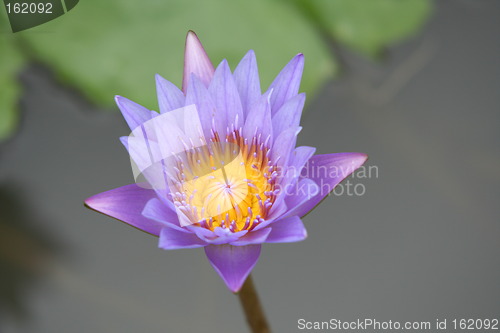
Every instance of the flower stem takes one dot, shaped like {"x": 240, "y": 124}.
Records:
{"x": 253, "y": 309}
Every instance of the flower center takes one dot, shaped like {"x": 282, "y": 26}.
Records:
{"x": 228, "y": 184}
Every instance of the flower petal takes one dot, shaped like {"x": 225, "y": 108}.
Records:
{"x": 169, "y": 96}
{"x": 283, "y": 145}
{"x": 139, "y": 151}
{"x": 173, "y": 239}
{"x": 246, "y": 77}
{"x": 298, "y": 159}
{"x": 233, "y": 263}
{"x": 133, "y": 113}
{"x": 254, "y": 237}
{"x": 277, "y": 210}
{"x": 287, "y": 230}
{"x": 218, "y": 236}
{"x": 225, "y": 236}
{"x": 258, "y": 120}
{"x": 288, "y": 116}
{"x": 196, "y": 61}
{"x": 328, "y": 171}
{"x": 157, "y": 210}
{"x": 126, "y": 204}
{"x": 299, "y": 193}
{"x": 198, "y": 94}
{"x": 300, "y": 156}
{"x": 226, "y": 97}
{"x": 287, "y": 83}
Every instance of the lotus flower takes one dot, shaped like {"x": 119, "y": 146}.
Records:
{"x": 220, "y": 165}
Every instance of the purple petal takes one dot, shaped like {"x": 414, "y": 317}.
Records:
{"x": 298, "y": 194}
{"x": 277, "y": 210}
{"x": 233, "y": 263}
{"x": 287, "y": 230}
{"x": 202, "y": 233}
{"x": 133, "y": 113}
{"x": 246, "y": 77}
{"x": 196, "y": 61}
{"x": 138, "y": 150}
{"x": 300, "y": 156}
{"x": 126, "y": 204}
{"x": 198, "y": 94}
{"x": 156, "y": 210}
{"x": 218, "y": 236}
{"x": 169, "y": 96}
{"x": 225, "y": 236}
{"x": 298, "y": 159}
{"x": 287, "y": 83}
{"x": 147, "y": 164}
{"x": 288, "y": 116}
{"x": 283, "y": 145}
{"x": 327, "y": 171}
{"x": 124, "y": 141}
{"x": 226, "y": 97}
{"x": 173, "y": 239}
{"x": 258, "y": 120}
{"x": 254, "y": 237}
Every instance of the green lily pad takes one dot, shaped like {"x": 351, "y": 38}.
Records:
{"x": 368, "y": 25}
{"x": 105, "y": 48}
{"x": 11, "y": 61}
{"x": 115, "y": 47}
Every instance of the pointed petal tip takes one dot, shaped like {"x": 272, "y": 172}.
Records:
{"x": 86, "y": 203}
{"x": 224, "y": 65}
{"x": 126, "y": 204}
{"x": 192, "y": 39}
{"x": 90, "y": 202}
{"x": 233, "y": 263}
{"x": 121, "y": 102}
{"x": 249, "y": 54}
{"x": 196, "y": 61}
{"x": 297, "y": 62}
{"x": 299, "y": 57}
{"x": 236, "y": 290}
{"x": 191, "y": 34}
{"x": 95, "y": 203}
{"x": 159, "y": 79}
{"x": 355, "y": 160}
{"x": 287, "y": 83}
{"x": 360, "y": 158}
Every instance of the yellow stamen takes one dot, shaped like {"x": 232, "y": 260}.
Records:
{"x": 224, "y": 184}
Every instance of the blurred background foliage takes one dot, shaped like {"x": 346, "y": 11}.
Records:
{"x": 104, "y": 48}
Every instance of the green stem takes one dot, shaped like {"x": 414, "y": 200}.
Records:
{"x": 254, "y": 312}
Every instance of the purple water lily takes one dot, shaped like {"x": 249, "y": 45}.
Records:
{"x": 220, "y": 165}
